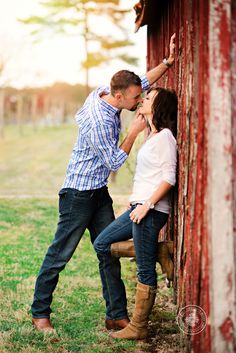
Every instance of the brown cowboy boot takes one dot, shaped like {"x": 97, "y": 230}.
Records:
{"x": 116, "y": 324}
{"x": 164, "y": 255}
{"x": 43, "y": 324}
{"x": 123, "y": 249}
{"x": 137, "y": 328}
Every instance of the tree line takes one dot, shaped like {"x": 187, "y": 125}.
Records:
{"x": 46, "y": 106}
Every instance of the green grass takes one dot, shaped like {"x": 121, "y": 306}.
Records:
{"x": 32, "y": 167}
{"x": 34, "y": 162}
{"x": 26, "y": 230}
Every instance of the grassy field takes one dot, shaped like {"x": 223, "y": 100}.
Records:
{"x": 26, "y": 229}
{"x": 34, "y": 162}
{"x": 32, "y": 169}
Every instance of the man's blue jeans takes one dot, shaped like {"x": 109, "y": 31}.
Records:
{"x": 145, "y": 236}
{"x": 79, "y": 210}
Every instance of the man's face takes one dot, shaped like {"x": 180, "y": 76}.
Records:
{"x": 131, "y": 98}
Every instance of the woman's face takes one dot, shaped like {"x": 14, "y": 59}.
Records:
{"x": 146, "y": 107}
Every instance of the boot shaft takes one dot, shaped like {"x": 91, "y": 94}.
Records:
{"x": 164, "y": 254}
{"x": 123, "y": 249}
{"x": 137, "y": 328}
{"x": 144, "y": 301}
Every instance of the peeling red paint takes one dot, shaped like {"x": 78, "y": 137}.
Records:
{"x": 190, "y": 78}
{"x": 222, "y": 27}
{"x": 228, "y": 148}
{"x": 230, "y": 281}
{"x": 227, "y": 329}
{"x": 233, "y": 102}
{"x": 228, "y": 197}
{"x": 224, "y": 39}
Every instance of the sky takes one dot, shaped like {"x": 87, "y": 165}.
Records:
{"x": 56, "y": 58}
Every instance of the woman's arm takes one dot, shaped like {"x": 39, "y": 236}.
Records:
{"x": 141, "y": 210}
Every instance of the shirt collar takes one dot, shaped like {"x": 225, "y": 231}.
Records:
{"x": 108, "y": 107}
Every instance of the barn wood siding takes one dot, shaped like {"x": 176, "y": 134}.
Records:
{"x": 204, "y": 75}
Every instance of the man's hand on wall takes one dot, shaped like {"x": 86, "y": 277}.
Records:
{"x": 171, "y": 58}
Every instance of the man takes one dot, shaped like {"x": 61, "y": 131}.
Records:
{"x": 84, "y": 201}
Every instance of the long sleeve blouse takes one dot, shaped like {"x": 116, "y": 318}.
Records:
{"x": 156, "y": 162}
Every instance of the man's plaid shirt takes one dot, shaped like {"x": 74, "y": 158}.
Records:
{"x": 96, "y": 152}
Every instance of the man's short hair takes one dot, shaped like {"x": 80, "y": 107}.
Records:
{"x": 124, "y": 79}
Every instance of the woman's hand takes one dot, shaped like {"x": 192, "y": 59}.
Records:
{"x": 138, "y": 213}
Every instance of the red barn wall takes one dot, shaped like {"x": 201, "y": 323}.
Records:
{"x": 193, "y": 21}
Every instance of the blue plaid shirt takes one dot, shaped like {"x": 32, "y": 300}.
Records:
{"x": 96, "y": 152}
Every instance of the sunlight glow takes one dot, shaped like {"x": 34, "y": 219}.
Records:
{"x": 56, "y": 58}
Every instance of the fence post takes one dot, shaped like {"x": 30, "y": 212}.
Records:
{"x": 19, "y": 113}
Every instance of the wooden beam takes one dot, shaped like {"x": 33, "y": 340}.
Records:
{"x": 220, "y": 190}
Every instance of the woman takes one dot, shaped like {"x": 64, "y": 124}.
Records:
{"x": 154, "y": 177}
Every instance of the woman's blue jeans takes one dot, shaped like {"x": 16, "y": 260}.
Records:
{"x": 79, "y": 210}
{"x": 145, "y": 236}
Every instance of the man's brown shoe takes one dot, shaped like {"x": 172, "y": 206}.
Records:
{"x": 43, "y": 324}
{"x": 116, "y": 324}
